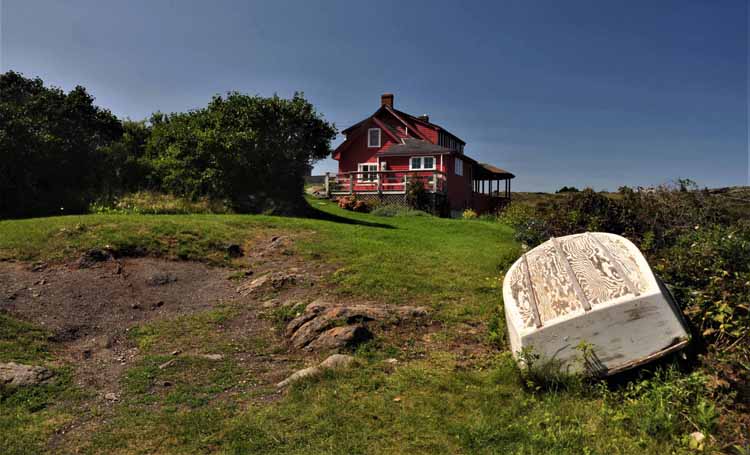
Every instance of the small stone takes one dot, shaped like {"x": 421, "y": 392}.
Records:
{"x": 167, "y": 364}
{"x": 397, "y": 399}
{"x": 391, "y": 361}
{"x": 176, "y": 352}
{"x": 110, "y": 396}
{"x": 212, "y": 356}
{"x": 336, "y": 361}
{"x": 697, "y": 441}
{"x": 160, "y": 279}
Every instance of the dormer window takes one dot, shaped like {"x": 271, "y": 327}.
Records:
{"x": 373, "y": 137}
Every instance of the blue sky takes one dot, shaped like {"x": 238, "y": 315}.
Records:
{"x": 584, "y": 93}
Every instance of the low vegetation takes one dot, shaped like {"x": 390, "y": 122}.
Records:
{"x": 452, "y": 390}
{"x": 698, "y": 242}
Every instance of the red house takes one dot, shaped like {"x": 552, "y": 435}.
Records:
{"x": 389, "y": 148}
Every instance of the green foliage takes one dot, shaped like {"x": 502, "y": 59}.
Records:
{"x": 152, "y": 203}
{"x": 50, "y": 147}
{"x": 250, "y": 150}
{"x": 666, "y": 405}
{"x": 540, "y": 374}
{"x": 416, "y": 194}
{"x": 567, "y": 189}
{"x": 126, "y": 167}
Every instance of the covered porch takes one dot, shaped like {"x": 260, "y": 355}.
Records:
{"x": 491, "y": 187}
{"x": 384, "y": 182}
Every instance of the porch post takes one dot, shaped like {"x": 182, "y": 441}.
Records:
{"x": 434, "y": 181}
{"x": 509, "y": 193}
{"x": 351, "y": 183}
{"x": 327, "y": 183}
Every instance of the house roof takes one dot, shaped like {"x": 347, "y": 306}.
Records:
{"x": 484, "y": 171}
{"x": 405, "y": 118}
{"x": 411, "y": 146}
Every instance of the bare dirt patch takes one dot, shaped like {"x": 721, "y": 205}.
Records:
{"x": 88, "y": 310}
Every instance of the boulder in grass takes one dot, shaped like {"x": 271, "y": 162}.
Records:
{"x": 14, "y": 375}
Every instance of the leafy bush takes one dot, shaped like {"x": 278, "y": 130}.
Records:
{"x": 568, "y": 189}
{"x": 416, "y": 195}
{"x": 469, "y": 214}
{"x": 250, "y": 150}
{"x": 152, "y": 203}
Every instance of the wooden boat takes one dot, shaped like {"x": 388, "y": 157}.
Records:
{"x": 590, "y": 302}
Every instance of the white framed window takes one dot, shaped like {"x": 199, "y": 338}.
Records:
{"x": 422, "y": 163}
{"x": 368, "y": 172}
{"x": 459, "y": 170}
{"x": 373, "y": 137}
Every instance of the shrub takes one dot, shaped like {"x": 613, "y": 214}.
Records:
{"x": 250, "y": 150}
{"x": 469, "y": 214}
{"x": 416, "y": 195}
{"x": 147, "y": 202}
{"x": 354, "y": 204}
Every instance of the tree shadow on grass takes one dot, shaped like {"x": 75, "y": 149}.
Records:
{"x": 317, "y": 214}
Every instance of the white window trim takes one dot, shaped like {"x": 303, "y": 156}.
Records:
{"x": 421, "y": 163}
{"x": 371, "y": 168}
{"x": 369, "y": 144}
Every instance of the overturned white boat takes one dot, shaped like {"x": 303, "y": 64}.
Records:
{"x": 590, "y": 302}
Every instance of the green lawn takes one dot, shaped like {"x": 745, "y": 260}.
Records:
{"x": 442, "y": 401}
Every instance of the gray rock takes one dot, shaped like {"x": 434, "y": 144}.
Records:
{"x": 340, "y": 337}
{"x": 160, "y": 279}
{"x": 167, "y": 364}
{"x": 14, "y": 375}
{"x": 334, "y": 362}
{"x": 319, "y": 317}
{"x": 212, "y": 356}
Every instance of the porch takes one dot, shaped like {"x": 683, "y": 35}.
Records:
{"x": 384, "y": 182}
{"x": 491, "y": 188}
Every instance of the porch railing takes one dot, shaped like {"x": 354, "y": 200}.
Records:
{"x": 385, "y": 182}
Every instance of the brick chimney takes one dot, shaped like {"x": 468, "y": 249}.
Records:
{"x": 386, "y": 99}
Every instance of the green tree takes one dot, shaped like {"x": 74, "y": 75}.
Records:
{"x": 50, "y": 146}
{"x": 250, "y": 150}
{"x": 125, "y": 166}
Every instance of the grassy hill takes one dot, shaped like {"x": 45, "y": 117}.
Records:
{"x": 454, "y": 389}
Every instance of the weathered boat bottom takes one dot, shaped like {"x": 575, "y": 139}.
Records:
{"x": 591, "y": 303}
{"x": 678, "y": 345}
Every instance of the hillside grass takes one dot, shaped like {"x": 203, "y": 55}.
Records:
{"x": 445, "y": 401}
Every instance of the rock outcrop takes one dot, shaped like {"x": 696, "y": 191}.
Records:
{"x": 328, "y": 326}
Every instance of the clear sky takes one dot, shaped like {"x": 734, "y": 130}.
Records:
{"x": 586, "y": 93}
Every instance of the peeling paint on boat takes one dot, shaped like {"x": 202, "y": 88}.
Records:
{"x": 595, "y": 288}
